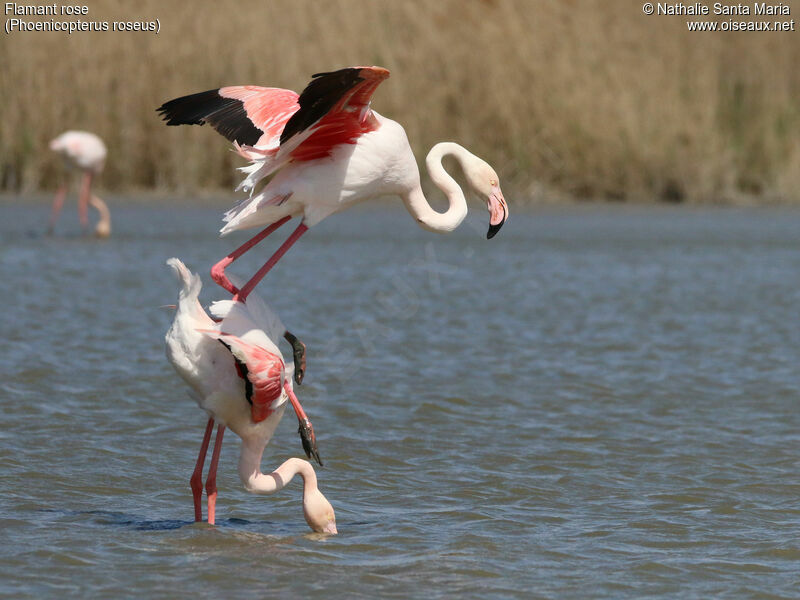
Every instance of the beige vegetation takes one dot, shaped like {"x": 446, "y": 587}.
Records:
{"x": 567, "y": 98}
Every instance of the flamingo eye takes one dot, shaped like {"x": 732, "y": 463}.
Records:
{"x": 492, "y": 182}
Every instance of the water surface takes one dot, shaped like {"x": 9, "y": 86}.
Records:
{"x": 600, "y": 402}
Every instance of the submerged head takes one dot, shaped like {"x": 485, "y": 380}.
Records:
{"x": 319, "y": 512}
{"x": 102, "y": 230}
{"x": 484, "y": 181}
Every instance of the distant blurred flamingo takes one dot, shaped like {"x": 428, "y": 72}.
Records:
{"x": 238, "y": 377}
{"x": 330, "y": 151}
{"x": 87, "y": 152}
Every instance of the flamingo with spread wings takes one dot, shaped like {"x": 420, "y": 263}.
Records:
{"x": 327, "y": 150}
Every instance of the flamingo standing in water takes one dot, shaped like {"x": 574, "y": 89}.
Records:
{"x": 86, "y": 152}
{"x": 328, "y": 150}
{"x": 238, "y": 376}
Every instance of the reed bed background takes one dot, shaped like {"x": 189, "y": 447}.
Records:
{"x": 587, "y": 99}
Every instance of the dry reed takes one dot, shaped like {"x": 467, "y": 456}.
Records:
{"x": 586, "y": 98}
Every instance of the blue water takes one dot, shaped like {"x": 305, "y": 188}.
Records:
{"x": 600, "y": 402}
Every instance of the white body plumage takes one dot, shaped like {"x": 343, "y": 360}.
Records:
{"x": 208, "y": 366}
{"x": 81, "y": 150}
{"x": 379, "y": 163}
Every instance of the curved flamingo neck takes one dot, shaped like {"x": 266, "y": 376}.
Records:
{"x": 260, "y": 483}
{"x": 418, "y": 205}
{"x": 103, "y": 228}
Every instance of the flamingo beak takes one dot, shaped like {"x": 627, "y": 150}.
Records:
{"x": 498, "y": 211}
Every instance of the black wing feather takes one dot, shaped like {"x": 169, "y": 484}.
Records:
{"x": 243, "y": 373}
{"x": 226, "y": 115}
{"x": 321, "y": 95}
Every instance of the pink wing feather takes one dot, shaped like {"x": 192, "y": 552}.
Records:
{"x": 268, "y": 108}
{"x": 337, "y": 104}
{"x": 262, "y": 370}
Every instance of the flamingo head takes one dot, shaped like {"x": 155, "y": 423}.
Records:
{"x": 102, "y": 230}
{"x": 484, "y": 181}
{"x": 319, "y": 512}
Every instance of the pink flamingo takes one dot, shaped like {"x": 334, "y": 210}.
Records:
{"x": 238, "y": 376}
{"x": 86, "y": 152}
{"x": 328, "y": 151}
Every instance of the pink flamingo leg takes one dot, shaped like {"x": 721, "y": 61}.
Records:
{"x": 83, "y": 201}
{"x": 298, "y": 409}
{"x": 218, "y": 270}
{"x": 211, "y": 481}
{"x": 196, "y": 480}
{"x": 242, "y": 294}
{"x": 58, "y": 203}
{"x": 306, "y": 429}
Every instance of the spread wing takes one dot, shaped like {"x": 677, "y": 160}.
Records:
{"x": 247, "y": 115}
{"x": 254, "y": 116}
{"x": 272, "y": 126}
{"x": 334, "y": 109}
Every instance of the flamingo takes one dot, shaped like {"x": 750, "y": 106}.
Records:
{"x": 328, "y": 150}
{"x": 238, "y": 376}
{"x": 86, "y": 152}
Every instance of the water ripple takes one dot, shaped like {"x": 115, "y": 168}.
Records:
{"x": 599, "y": 403}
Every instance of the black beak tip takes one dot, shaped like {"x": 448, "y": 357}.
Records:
{"x": 493, "y": 229}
